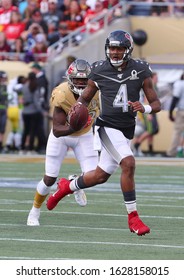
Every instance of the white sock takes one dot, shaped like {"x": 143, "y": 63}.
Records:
{"x": 73, "y": 185}
{"x": 131, "y": 206}
{"x": 42, "y": 188}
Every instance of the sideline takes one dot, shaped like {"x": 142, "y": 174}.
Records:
{"x": 15, "y": 158}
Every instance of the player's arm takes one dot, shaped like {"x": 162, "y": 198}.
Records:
{"x": 151, "y": 95}
{"x": 60, "y": 125}
{"x": 88, "y": 93}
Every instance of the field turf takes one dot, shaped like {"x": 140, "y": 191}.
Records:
{"x": 99, "y": 230}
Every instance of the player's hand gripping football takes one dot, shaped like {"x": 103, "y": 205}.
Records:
{"x": 78, "y": 116}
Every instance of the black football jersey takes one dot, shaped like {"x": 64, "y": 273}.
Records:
{"x": 116, "y": 88}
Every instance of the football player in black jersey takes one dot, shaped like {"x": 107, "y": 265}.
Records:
{"x": 119, "y": 80}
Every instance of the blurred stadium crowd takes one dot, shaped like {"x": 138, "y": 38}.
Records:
{"x": 29, "y": 28}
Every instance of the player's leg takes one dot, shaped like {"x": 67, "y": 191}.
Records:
{"x": 42, "y": 190}
{"x": 88, "y": 160}
{"x": 55, "y": 153}
{"x": 118, "y": 147}
{"x": 87, "y": 180}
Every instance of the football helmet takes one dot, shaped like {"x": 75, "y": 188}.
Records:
{"x": 3, "y": 78}
{"x": 119, "y": 38}
{"x": 77, "y": 75}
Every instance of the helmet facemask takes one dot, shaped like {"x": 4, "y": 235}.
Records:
{"x": 77, "y": 75}
{"x": 117, "y": 63}
{"x": 77, "y": 85}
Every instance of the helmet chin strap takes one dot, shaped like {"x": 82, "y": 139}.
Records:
{"x": 116, "y": 63}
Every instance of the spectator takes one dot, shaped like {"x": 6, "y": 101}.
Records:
{"x": 178, "y": 103}
{"x": 99, "y": 10}
{"x": 42, "y": 82}
{"x": 19, "y": 49}
{"x": 3, "y": 105}
{"x": 31, "y": 6}
{"x": 140, "y": 130}
{"x": 43, "y": 85}
{"x": 6, "y": 10}
{"x": 146, "y": 127}
{"x": 14, "y": 29}
{"x": 37, "y": 18}
{"x": 53, "y": 16}
{"x": 20, "y": 81}
{"x": 149, "y": 129}
{"x": 153, "y": 121}
{"x": 62, "y": 32}
{"x": 13, "y": 141}
{"x": 29, "y": 40}
{"x": 40, "y": 48}
{"x": 4, "y": 47}
{"x": 74, "y": 18}
{"x": 31, "y": 112}
{"x": 65, "y": 7}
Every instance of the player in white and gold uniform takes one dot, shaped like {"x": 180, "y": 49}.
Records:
{"x": 62, "y": 137}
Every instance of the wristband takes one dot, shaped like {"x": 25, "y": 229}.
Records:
{"x": 147, "y": 109}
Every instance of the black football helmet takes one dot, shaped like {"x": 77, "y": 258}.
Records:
{"x": 119, "y": 38}
{"x": 3, "y": 78}
{"x": 77, "y": 75}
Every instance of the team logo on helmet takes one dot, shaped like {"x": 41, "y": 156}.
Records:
{"x": 70, "y": 69}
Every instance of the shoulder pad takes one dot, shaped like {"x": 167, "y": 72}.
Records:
{"x": 97, "y": 63}
{"x": 143, "y": 64}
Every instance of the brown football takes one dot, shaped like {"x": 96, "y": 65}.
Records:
{"x": 78, "y": 116}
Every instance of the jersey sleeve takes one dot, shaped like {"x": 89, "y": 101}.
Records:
{"x": 147, "y": 69}
{"x": 57, "y": 97}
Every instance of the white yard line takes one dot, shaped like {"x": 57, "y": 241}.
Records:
{"x": 94, "y": 214}
{"x": 91, "y": 242}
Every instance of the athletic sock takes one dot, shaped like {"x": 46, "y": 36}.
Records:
{"x": 130, "y": 201}
{"x": 38, "y": 200}
{"x": 41, "y": 193}
{"x": 77, "y": 184}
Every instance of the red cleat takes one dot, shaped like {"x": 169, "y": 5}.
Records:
{"x": 136, "y": 225}
{"x": 63, "y": 190}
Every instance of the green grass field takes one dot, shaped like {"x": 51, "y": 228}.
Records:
{"x": 99, "y": 230}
